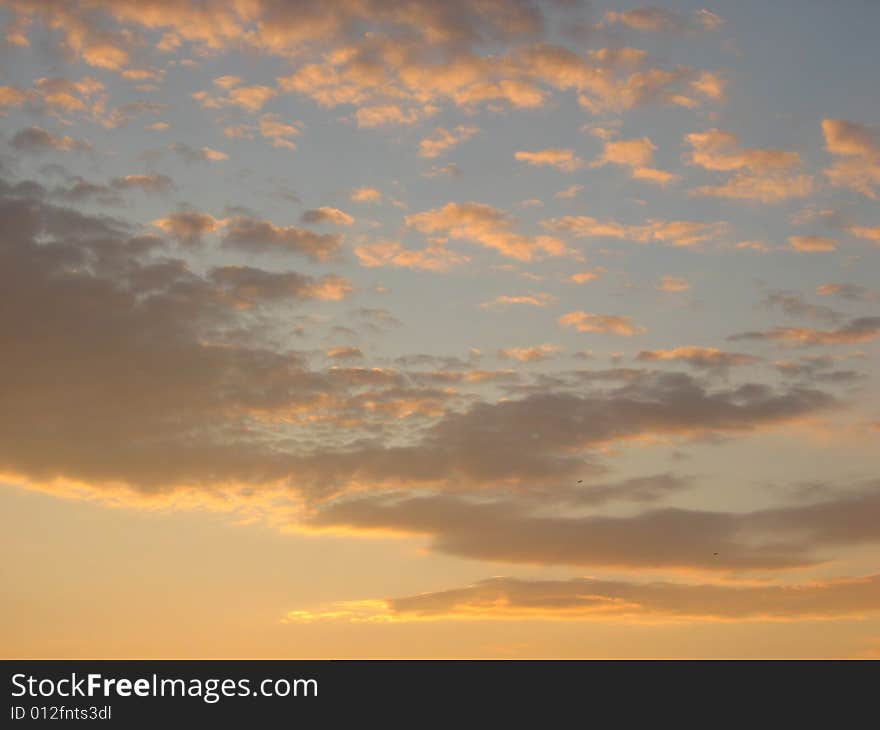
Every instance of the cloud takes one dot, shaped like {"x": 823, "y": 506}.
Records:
{"x": 36, "y": 139}
{"x": 613, "y": 80}
{"x": 381, "y": 115}
{"x": 674, "y": 284}
{"x": 870, "y": 233}
{"x": 442, "y": 140}
{"x": 503, "y": 529}
{"x": 188, "y": 227}
{"x": 393, "y": 65}
{"x": 775, "y": 189}
{"x": 152, "y": 183}
{"x": 435, "y": 258}
{"x": 858, "y": 330}
{"x": 271, "y": 127}
{"x": 12, "y": 96}
{"x": 858, "y": 150}
{"x": 248, "y": 286}
{"x": 720, "y": 150}
{"x": 534, "y": 300}
{"x": 705, "y": 358}
{"x": 601, "y": 324}
{"x": 630, "y": 152}
{"x": 219, "y": 415}
{"x": 249, "y": 98}
{"x": 345, "y": 353}
{"x": 255, "y": 235}
{"x": 16, "y": 32}
{"x": 711, "y": 85}
{"x": 854, "y": 292}
{"x": 375, "y": 318}
{"x": 326, "y": 214}
{"x": 652, "y": 175}
{"x": 816, "y": 369}
{"x": 758, "y": 246}
{"x": 546, "y": 437}
{"x": 657, "y": 20}
{"x": 366, "y": 195}
{"x": 794, "y": 306}
{"x": 82, "y": 190}
{"x": 249, "y": 234}
{"x": 122, "y": 333}
{"x": 190, "y": 154}
{"x": 561, "y": 159}
{"x": 450, "y": 170}
{"x": 812, "y": 244}
{"x": 636, "y": 154}
{"x": 109, "y": 194}
{"x": 762, "y": 175}
{"x": 583, "y": 277}
{"x": 122, "y": 115}
{"x": 572, "y": 191}
{"x": 227, "y": 82}
{"x": 672, "y": 233}
{"x": 529, "y": 354}
{"x": 584, "y": 599}
{"x": 486, "y": 226}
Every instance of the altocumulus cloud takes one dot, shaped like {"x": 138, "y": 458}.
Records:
{"x": 143, "y": 333}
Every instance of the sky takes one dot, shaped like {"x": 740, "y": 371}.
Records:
{"x": 378, "y": 328}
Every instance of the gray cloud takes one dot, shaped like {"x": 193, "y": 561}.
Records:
{"x": 80, "y": 189}
{"x": 259, "y": 236}
{"x": 858, "y": 330}
{"x": 590, "y": 598}
{"x": 129, "y": 369}
{"x": 516, "y": 531}
{"x": 794, "y": 305}
{"x": 36, "y": 139}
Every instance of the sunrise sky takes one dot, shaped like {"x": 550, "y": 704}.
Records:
{"x": 494, "y": 328}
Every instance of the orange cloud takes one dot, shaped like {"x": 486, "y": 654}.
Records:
{"x": 534, "y": 300}
{"x": 582, "y": 277}
{"x": 812, "y": 244}
{"x": 436, "y": 258}
{"x": 12, "y": 96}
{"x": 601, "y": 324}
{"x": 701, "y": 357}
{"x": 564, "y": 160}
{"x": 572, "y": 191}
{"x": 674, "y": 284}
{"x": 673, "y": 233}
{"x": 366, "y": 195}
{"x": 636, "y": 154}
{"x": 326, "y": 214}
{"x": 585, "y": 599}
{"x": 529, "y": 354}
{"x": 189, "y": 226}
{"x": 442, "y": 140}
{"x": 762, "y": 175}
{"x": 867, "y": 232}
{"x": 385, "y": 114}
{"x": 656, "y": 20}
{"x": 486, "y": 226}
{"x": 859, "y": 148}
{"x": 271, "y": 127}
